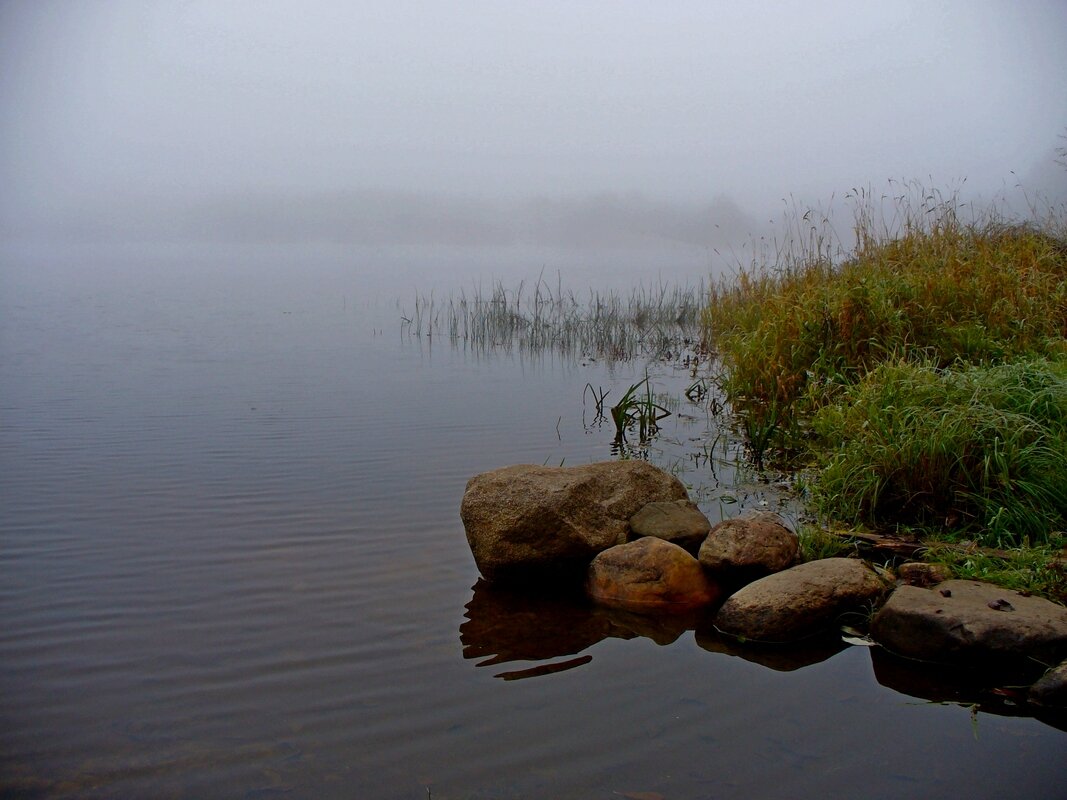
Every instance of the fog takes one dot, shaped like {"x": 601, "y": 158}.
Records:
{"x": 574, "y": 124}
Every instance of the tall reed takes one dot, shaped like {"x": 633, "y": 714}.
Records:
{"x": 654, "y": 321}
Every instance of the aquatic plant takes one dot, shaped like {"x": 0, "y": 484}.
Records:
{"x": 657, "y": 321}
{"x": 598, "y": 396}
{"x": 638, "y": 410}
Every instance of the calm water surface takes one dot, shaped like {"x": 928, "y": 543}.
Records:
{"x": 231, "y": 565}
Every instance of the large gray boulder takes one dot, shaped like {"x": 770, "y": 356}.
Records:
{"x": 527, "y": 518}
{"x": 677, "y": 521}
{"x": 800, "y": 601}
{"x": 745, "y": 548}
{"x": 961, "y": 621}
{"x": 649, "y": 574}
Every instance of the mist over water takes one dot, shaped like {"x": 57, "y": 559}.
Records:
{"x": 480, "y": 125}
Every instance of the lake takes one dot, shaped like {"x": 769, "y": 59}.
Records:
{"x": 232, "y": 565}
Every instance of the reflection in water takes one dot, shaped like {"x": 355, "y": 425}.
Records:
{"x": 509, "y": 624}
{"x": 518, "y": 624}
{"x": 780, "y": 657}
{"x": 544, "y": 669}
{"x": 506, "y": 625}
{"x": 993, "y": 693}
{"x": 512, "y": 625}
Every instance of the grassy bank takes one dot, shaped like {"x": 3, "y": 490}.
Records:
{"x": 921, "y": 377}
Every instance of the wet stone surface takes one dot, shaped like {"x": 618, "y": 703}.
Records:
{"x": 959, "y": 621}
{"x": 800, "y": 601}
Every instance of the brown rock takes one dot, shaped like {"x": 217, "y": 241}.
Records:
{"x": 960, "y": 621}
{"x": 1051, "y": 690}
{"x": 677, "y": 521}
{"x": 649, "y": 575}
{"x": 800, "y": 601}
{"x": 919, "y": 573}
{"x": 746, "y": 548}
{"x": 526, "y": 517}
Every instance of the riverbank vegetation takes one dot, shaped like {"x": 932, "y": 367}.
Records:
{"x": 918, "y": 380}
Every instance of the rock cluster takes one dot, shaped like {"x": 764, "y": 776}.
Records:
{"x": 634, "y": 531}
{"x": 644, "y": 547}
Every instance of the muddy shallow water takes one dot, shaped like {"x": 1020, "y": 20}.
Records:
{"x": 231, "y": 565}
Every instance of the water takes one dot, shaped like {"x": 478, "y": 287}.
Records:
{"x": 231, "y": 565}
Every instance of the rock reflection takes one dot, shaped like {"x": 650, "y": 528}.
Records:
{"x": 543, "y": 669}
{"x": 983, "y": 691}
{"x": 780, "y": 657}
{"x": 513, "y": 625}
{"x": 663, "y": 629}
{"x": 505, "y": 625}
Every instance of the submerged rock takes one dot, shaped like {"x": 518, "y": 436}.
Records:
{"x": 1051, "y": 690}
{"x": 746, "y": 548}
{"x": 800, "y": 601}
{"x": 527, "y": 518}
{"x": 960, "y": 621}
{"x": 677, "y": 521}
{"x": 649, "y": 574}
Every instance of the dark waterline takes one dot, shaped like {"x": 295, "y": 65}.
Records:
{"x": 231, "y": 564}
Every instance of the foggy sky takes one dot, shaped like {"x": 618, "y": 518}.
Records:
{"x": 486, "y": 122}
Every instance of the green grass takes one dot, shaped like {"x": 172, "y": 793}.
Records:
{"x": 795, "y": 333}
{"x": 979, "y": 451}
{"x": 817, "y": 543}
{"x": 1038, "y": 570}
{"x": 921, "y": 376}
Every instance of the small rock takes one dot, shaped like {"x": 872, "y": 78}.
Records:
{"x": 961, "y": 621}
{"x": 1051, "y": 690}
{"x": 749, "y": 547}
{"x": 678, "y": 521}
{"x": 649, "y": 574}
{"x": 800, "y": 601}
{"x": 919, "y": 573}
